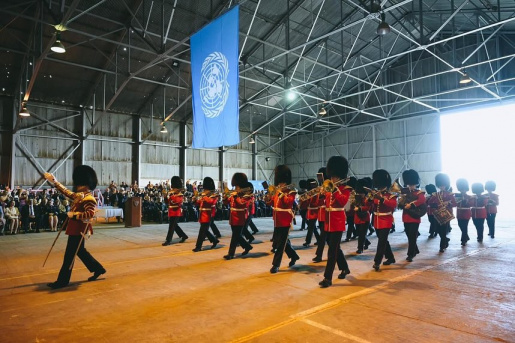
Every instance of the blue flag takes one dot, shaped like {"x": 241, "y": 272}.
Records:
{"x": 214, "y": 71}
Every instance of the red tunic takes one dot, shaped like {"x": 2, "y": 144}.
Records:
{"x": 304, "y": 204}
{"x": 282, "y": 204}
{"x": 383, "y": 212}
{"x": 205, "y": 207}
{"x": 313, "y": 207}
{"x": 463, "y": 211}
{"x": 252, "y": 205}
{"x": 335, "y": 213}
{"x": 429, "y": 209}
{"x": 362, "y": 215}
{"x": 175, "y": 204}
{"x": 239, "y": 210}
{"x": 421, "y": 199}
{"x": 493, "y": 202}
{"x": 321, "y": 209}
{"x": 442, "y": 197}
{"x": 213, "y": 207}
{"x": 478, "y": 206}
{"x": 83, "y": 207}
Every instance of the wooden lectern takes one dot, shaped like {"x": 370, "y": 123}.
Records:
{"x": 133, "y": 212}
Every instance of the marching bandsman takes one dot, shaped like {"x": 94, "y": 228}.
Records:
{"x": 442, "y": 203}
{"x": 491, "y": 207}
{"x": 413, "y": 198}
{"x": 362, "y": 206}
{"x": 303, "y": 205}
{"x": 352, "y": 232}
{"x": 239, "y": 207}
{"x": 384, "y": 205}
{"x": 282, "y": 200}
{"x": 251, "y": 211}
{"x": 175, "y": 200}
{"x": 312, "y": 214}
{"x": 478, "y": 208}
{"x": 205, "y": 201}
{"x": 78, "y": 225}
{"x": 336, "y": 197}
{"x": 322, "y": 240}
{"x": 463, "y": 211}
{"x": 430, "y": 192}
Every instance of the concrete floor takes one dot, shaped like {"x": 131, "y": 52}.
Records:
{"x": 152, "y": 293}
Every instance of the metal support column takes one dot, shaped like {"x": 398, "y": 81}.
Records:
{"x": 254, "y": 158}
{"x": 136, "y": 149}
{"x": 221, "y": 163}
{"x": 80, "y": 153}
{"x": 374, "y": 148}
{"x": 182, "y": 150}
{"x": 12, "y": 156}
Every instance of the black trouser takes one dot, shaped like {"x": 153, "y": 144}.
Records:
{"x": 250, "y": 223}
{"x": 304, "y": 220}
{"x": 362, "y": 235}
{"x": 213, "y": 227}
{"x": 172, "y": 227}
{"x": 89, "y": 261}
{"x": 411, "y": 230}
{"x": 442, "y": 232}
{"x": 312, "y": 229}
{"x": 351, "y": 228}
{"x": 383, "y": 246}
{"x": 203, "y": 232}
{"x": 490, "y": 221}
{"x": 237, "y": 238}
{"x": 334, "y": 254}
{"x": 479, "y": 223}
{"x": 432, "y": 224}
{"x": 464, "y": 227}
{"x": 282, "y": 244}
{"x": 322, "y": 240}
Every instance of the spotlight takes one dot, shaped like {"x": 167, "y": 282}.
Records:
{"x": 58, "y": 46}
{"x": 290, "y": 93}
{"x": 322, "y": 112}
{"x": 383, "y": 28}
{"x": 252, "y": 141}
{"x": 267, "y": 159}
{"x": 465, "y": 79}
{"x": 175, "y": 63}
{"x": 163, "y": 129}
{"x": 24, "y": 112}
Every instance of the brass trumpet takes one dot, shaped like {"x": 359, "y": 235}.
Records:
{"x": 329, "y": 186}
{"x": 244, "y": 192}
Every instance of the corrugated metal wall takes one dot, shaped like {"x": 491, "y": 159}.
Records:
{"x": 394, "y": 146}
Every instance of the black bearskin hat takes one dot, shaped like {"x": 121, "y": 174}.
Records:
{"x": 312, "y": 183}
{"x": 176, "y": 182}
{"x": 352, "y": 182}
{"x": 303, "y": 184}
{"x": 337, "y": 166}
{"x": 282, "y": 174}
{"x": 430, "y": 189}
{"x": 85, "y": 176}
{"x": 442, "y": 179}
{"x": 477, "y": 188}
{"x": 249, "y": 185}
{"x": 410, "y": 178}
{"x": 462, "y": 185}
{"x": 208, "y": 184}
{"x": 490, "y": 186}
{"x": 361, "y": 183}
{"x": 323, "y": 171}
{"x": 381, "y": 179}
{"x": 240, "y": 180}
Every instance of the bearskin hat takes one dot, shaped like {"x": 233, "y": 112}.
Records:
{"x": 323, "y": 171}
{"x": 282, "y": 174}
{"x": 303, "y": 184}
{"x": 176, "y": 182}
{"x": 240, "y": 180}
{"x": 249, "y": 185}
{"x": 477, "y": 188}
{"x": 208, "y": 184}
{"x": 430, "y": 189}
{"x": 490, "y": 186}
{"x": 352, "y": 182}
{"x": 312, "y": 183}
{"x": 381, "y": 179}
{"x": 361, "y": 183}
{"x": 462, "y": 185}
{"x": 410, "y": 178}
{"x": 442, "y": 179}
{"x": 337, "y": 166}
{"x": 84, "y": 175}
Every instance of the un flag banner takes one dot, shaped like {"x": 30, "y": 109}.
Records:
{"x": 214, "y": 72}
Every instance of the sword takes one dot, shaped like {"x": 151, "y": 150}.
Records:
{"x": 55, "y": 240}
{"x": 80, "y": 242}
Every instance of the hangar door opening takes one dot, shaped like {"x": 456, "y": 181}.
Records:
{"x": 478, "y": 145}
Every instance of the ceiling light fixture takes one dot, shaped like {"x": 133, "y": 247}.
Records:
{"x": 465, "y": 79}
{"x": 163, "y": 128}
{"x": 290, "y": 92}
{"x": 322, "y": 112}
{"x": 252, "y": 141}
{"x": 24, "y": 112}
{"x": 383, "y": 28}
{"x": 58, "y": 46}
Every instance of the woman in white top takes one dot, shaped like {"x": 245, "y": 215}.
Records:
{"x": 13, "y": 215}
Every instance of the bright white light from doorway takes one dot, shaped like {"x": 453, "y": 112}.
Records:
{"x": 479, "y": 145}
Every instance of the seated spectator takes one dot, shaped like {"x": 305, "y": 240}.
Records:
{"x": 2, "y": 221}
{"x": 13, "y": 217}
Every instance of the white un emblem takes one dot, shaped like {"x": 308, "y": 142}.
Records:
{"x": 214, "y": 88}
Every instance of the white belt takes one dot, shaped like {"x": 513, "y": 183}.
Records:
{"x": 173, "y": 206}
{"x": 313, "y": 208}
{"x": 383, "y": 214}
{"x": 238, "y": 209}
{"x": 205, "y": 209}
{"x": 322, "y": 206}
{"x": 477, "y": 208}
{"x": 463, "y": 208}
{"x": 333, "y": 209}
